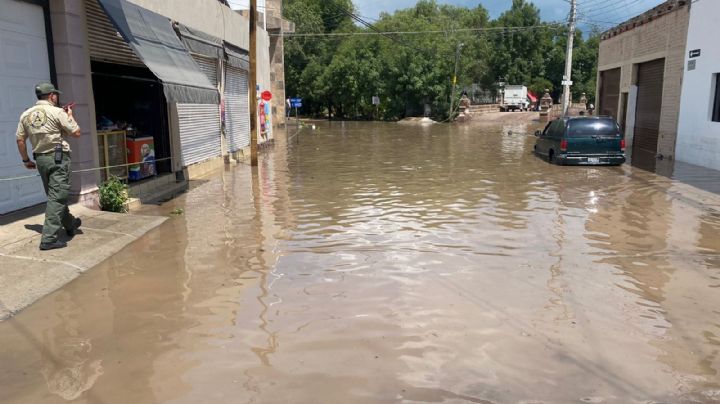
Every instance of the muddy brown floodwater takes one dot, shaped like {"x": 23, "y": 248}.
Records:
{"x": 383, "y": 263}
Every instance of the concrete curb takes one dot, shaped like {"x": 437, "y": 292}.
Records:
{"x": 28, "y": 274}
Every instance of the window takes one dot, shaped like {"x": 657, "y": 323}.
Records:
{"x": 593, "y": 127}
{"x": 546, "y": 131}
{"x": 552, "y": 129}
{"x": 716, "y": 98}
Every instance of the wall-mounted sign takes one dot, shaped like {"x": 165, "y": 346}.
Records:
{"x": 694, "y": 53}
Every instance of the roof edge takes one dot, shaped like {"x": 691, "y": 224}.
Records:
{"x": 668, "y": 7}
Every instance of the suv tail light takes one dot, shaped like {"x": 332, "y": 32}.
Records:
{"x": 563, "y": 145}
{"x": 622, "y": 144}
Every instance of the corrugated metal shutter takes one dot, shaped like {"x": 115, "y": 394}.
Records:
{"x": 237, "y": 108}
{"x": 649, "y": 105}
{"x": 199, "y": 132}
{"x": 609, "y": 92}
{"x": 105, "y": 43}
{"x": 208, "y": 66}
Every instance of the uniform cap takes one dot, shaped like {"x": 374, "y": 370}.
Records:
{"x": 46, "y": 88}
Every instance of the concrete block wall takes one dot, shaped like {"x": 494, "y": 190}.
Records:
{"x": 659, "y": 37}
{"x": 277, "y": 78}
{"x": 277, "y": 63}
{"x": 72, "y": 63}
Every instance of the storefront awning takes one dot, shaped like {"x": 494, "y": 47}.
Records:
{"x": 199, "y": 42}
{"x": 152, "y": 38}
{"x": 207, "y": 45}
{"x": 236, "y": 56}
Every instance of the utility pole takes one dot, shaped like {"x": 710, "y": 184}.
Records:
{"x": 454, "y": 83}
{"x": 252, "y": 84}
{"x": 568, "y": 58}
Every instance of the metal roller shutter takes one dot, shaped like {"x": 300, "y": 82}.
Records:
{"x": 105, "y": 43}
{"x": 649, "y": 104}
{"x": 609, "y": 92}
{"x": 209, "y": 67}
{"x": 199, "y": 132}
{"x": 237, "y": 108}
{"x": 24, "y": 62}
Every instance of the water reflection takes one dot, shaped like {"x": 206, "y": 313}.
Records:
{"x": 70, "y": 366}
{"x": 373, "y": 263}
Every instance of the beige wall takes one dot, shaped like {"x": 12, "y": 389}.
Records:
{"x": 208, "y": 16}
{"x": 663, "y": 37}
{"x": 72, "y": 64}
{"x": 263, "y": 60}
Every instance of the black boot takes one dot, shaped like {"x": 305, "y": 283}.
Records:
{"x": 75, "y": 225}
{"x": 53, "y": 245}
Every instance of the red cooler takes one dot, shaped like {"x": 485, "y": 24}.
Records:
{"x": 141, "y": 150}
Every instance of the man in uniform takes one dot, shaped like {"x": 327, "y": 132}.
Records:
{"x": 45, "y": 124}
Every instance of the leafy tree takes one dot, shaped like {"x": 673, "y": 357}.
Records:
{"x": 339, "y": 75}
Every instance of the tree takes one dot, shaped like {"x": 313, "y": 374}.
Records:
{"x": 339, "y": 75}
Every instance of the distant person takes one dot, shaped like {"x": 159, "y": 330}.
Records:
{"x": 288, "y": 107}
{"x": 590, "y": 108}
{"x": 46, "y": 124}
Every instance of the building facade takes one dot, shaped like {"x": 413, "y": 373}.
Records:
{"x": 640, "y": 74}
{"x": 698, "y": 140}
{"x": 277, "y": 26}
{"x": 177, "y": 79}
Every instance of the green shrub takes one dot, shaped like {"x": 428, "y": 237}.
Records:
{"x": 114, "y": 195}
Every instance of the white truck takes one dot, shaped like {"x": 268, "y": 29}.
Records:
{"x": 515, "y": 98}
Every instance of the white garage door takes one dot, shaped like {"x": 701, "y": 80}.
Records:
{"x": 23, "y": 63}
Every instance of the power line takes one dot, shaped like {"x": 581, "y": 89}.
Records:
{"x": 552, "y": 26}
{"x": 372, "y": 27}
{"x": 616, "y": 6}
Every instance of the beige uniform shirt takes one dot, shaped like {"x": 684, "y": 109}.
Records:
{"x": 45, "y": 124}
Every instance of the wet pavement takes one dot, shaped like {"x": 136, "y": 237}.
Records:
{"x": 381, "y": 263}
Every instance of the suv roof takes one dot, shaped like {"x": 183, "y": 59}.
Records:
{"x": 580, "y": 118}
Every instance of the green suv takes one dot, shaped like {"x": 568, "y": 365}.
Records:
{"x": 581, "y": 141}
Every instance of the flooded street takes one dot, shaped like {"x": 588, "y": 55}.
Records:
{"x": 385, "y": 263}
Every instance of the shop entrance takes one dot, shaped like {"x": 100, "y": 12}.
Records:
{"x": 649, "y": 107}
{"x": 130, "y": 104}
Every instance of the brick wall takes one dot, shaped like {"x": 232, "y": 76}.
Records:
{"x": 652, "y": 37}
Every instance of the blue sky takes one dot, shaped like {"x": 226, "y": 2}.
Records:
{"x": 600, "y": 12}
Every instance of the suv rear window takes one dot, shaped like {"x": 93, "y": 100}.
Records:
{"x": 593, "y": 127}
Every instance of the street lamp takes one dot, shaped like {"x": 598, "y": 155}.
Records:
{"x": 501, "y": 85}
{"x": 454, "y": 79}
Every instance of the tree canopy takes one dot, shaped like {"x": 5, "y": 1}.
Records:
{"x": 408, "y": 58}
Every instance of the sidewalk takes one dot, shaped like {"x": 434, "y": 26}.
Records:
{"x": 27, "y": 274}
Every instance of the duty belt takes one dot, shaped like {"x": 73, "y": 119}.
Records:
{"x": 50, "y": 153}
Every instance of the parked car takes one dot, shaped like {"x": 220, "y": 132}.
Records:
{"x": 581, "y": 141}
